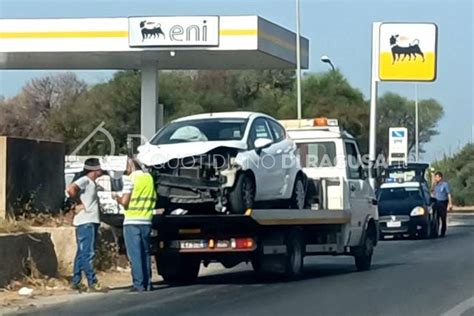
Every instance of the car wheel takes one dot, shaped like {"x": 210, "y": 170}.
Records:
{"x": 298, "y": 198}
{"x": 242, "y": 196}
{"x": 426, "y": 231}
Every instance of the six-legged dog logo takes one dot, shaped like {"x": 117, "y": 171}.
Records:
{"x": 151, "y": 30}
{"x": 411, "y": 50}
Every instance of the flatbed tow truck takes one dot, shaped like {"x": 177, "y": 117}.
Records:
{"x": 341, "y": 218}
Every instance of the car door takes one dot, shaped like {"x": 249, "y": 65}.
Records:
{"x": 286, "y": 161}
{"x": 358, "y": 190}
{"x": 260, "y": 161}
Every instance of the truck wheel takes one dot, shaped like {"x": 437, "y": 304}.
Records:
{"x": 298, "y": 198}
{"x": 294, "y": 256}
{"x": 178, "y": 268}
{"x": 242, "y": 196}
{"x": 363, "y": 254}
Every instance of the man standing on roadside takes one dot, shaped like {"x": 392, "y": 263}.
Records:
{"x": 138, "y": 199}
{"x": 83, "y": 192}
{"x": 442, "y": 194}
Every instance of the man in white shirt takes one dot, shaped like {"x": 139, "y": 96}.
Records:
{"x": 84, "y": 193}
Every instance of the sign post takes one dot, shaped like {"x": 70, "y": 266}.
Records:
{"x": 373, "y": 100}
{"x": 400, "y": 52}
{"x": 397, "y": 145}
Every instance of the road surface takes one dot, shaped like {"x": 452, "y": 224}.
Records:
{"x": 408, "y": 277}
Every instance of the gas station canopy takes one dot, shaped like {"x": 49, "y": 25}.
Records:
{"x": 170, "y": 42}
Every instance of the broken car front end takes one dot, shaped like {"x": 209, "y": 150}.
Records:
{"x": 193, "y": 181}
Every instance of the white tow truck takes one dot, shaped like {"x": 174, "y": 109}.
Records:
{"x": 341, "y": 217}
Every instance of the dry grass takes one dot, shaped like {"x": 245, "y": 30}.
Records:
{"x": 10, "y": 226}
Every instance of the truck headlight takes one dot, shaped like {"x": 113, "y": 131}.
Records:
{"x": 417, "y": 211}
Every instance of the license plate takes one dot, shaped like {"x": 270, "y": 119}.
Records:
{"x": 394, "y": 224}
{"x": 193, "y": 244}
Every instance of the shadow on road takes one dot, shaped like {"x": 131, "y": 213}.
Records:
{"x": 311, "y": 272}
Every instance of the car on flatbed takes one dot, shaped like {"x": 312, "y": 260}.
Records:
{"x": 342, "y": 218}
{"x": 227, "y": 160}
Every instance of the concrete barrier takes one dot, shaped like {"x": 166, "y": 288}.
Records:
{"x": 22, "y": 254}
{"x": 64, "y": 244}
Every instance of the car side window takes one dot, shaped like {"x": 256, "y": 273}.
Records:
{"x": 354, "y": 167}
{"x": 277, "y": 130}
{"x": 258, "y": 130}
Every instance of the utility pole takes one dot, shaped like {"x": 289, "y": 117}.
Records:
{"x": 417, "y": 143}
{"x": 298, "y": 60}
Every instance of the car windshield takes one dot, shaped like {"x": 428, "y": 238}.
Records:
{"x": 201, "y": 131}
{"x": 400, "y": 194}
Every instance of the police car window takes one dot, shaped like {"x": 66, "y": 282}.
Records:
{"x": 277, "y": 130}
{"x": 353, "y": 163}
{"x": 317, "y": 155}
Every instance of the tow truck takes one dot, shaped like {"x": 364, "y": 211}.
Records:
{"x": 341, "y": 217}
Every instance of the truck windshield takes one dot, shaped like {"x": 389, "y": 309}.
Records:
{"x": 201, "y": 131}
{"x": 400, "y": 194}
{"x": 317, "y": 154}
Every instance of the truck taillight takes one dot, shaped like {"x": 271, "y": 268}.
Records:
{"x": 242, "y": 243}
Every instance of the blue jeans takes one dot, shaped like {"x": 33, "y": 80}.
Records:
{"x": 137, "y": 241}
{"x": 86, "y": 236}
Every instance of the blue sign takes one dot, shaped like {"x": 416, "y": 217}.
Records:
{"x": 398, "y": 133}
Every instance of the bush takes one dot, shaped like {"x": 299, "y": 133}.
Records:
{"x": 458, "y": 170}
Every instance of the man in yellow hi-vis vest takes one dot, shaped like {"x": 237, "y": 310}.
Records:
{"x": 138, "y": 199}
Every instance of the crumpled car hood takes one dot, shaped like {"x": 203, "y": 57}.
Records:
{"x": 152, "y": 155}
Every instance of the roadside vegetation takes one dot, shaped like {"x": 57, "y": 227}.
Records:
{"x": 458, "y": 170}
{"x": 62, "y": 107}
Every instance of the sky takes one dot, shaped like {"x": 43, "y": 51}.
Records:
{"x": 340, "y": 29}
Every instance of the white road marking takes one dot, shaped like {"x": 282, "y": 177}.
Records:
{"x": 460, "y": 308}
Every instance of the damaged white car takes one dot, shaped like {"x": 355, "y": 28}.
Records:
{"x": 229, "y": 160}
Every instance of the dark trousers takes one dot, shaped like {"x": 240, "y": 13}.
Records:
{"x": 137, "y": 241}
{"x": 441, "y": 208}
{"x": 86, "y": 236}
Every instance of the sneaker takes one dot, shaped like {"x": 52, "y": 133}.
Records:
{"x": 136, "y": 290}
{"x": 97, "y": 288}
{"x": 78, "y": 287}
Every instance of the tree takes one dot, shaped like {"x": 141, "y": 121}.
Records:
{"x": 394, "y": 110}
{"x": 28, "y": 114}
{"x": 69, "y": 111}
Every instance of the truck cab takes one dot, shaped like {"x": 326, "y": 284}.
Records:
{"x": 331, "y": 160}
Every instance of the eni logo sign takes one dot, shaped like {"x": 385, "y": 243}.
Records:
{"x": 173, "y": 31}
{"x": 408, "y": 51}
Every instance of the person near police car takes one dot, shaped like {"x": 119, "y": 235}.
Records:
{"x": 443, "y": 203}
{"x": 138, "y": 198}
{"x": 83, "y": 193}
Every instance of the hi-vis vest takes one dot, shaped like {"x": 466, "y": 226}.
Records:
{"x": 142, "y": 200}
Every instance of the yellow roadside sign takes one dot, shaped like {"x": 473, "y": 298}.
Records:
{"x": 408, "y": 51}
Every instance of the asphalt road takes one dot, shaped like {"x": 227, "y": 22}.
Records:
{"x": 408, "y": 277}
